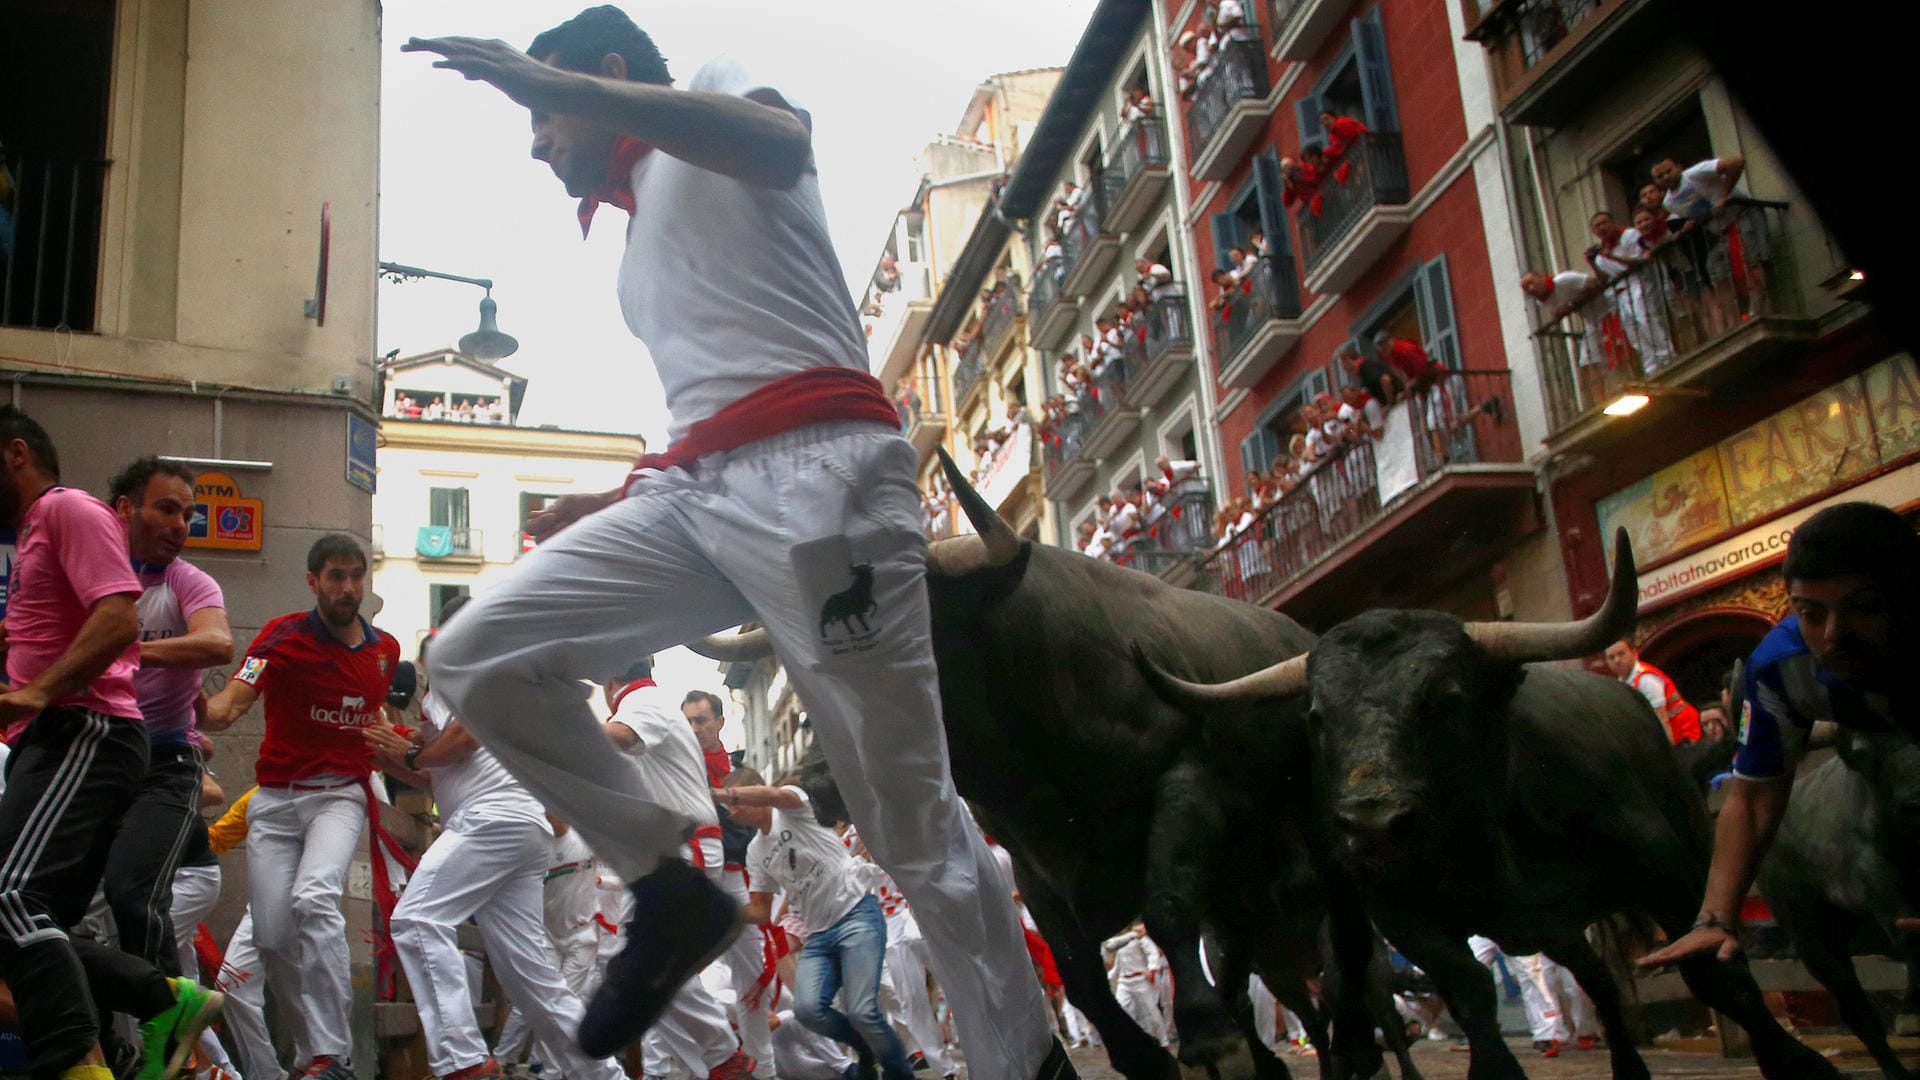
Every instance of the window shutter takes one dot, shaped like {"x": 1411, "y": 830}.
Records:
{"x": 1251, "y": 460}
{"x": 440, "y": 506}
{"x": 1306, "y": 114}
{"x": 1228, "y": 233}
{"x": 1273, "y": 214}
{"x": 1433, "y": 295}
{"x": 1376, "y": 78}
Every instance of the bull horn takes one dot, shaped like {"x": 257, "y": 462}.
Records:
{"x": 1525, "y": 643}
{"x": 1284, "y": 679}
{"x": 996, "y": 545}
{"x": 734, "y": 648}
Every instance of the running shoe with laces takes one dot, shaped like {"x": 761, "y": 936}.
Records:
{"x": 681, "y": 923}
{"x": 168, "y": 1040}
{"x": 327, "y": 1068}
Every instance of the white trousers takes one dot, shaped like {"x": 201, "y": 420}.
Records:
{"x": 1079, "y": 1028}
{"x": 299, "y": 846}
{"x": 745, "y": 959}
{"x": 195, "y": 890}
{"x": 575, "y": 956}
{"x": 1543, "y": 1013}
{"x": 817, "y": 534}
{"x": 1141, "y": 1001}
{"x": 906, "y": 966}
{"x": 243, "y": 980}
{"x": 802, "y": 1054}
{"x": 1576, "y": 1008}
{"x": 1266, "y": 1013}
{"x": 487, "y": 869}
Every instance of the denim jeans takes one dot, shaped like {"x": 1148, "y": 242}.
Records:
{"x": 848, "y": 955}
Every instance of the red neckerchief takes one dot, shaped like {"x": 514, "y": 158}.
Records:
{"x": 618, "y": 188}
{"x": 628, "y": 689}
{"x": 719, "y": 764}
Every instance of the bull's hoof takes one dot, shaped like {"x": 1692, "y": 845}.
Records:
{"x": 1797, "y": 1061}
{"x": 1235, "y": 1064}
{"x": 1628, "y": 1065}
{"x": 1360, "y": 1061}
{"x": 1209, "y": 1038}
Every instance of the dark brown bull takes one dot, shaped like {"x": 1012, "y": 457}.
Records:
{"x": 1117, "y": 806}
{"x": 1467, "y": 789}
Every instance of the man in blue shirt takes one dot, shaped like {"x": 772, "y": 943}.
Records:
{"x": 1852, "y": 573}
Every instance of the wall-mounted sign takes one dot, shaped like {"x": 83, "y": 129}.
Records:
{"x": 222, "y": 519}
{"x": 363, "y": 441}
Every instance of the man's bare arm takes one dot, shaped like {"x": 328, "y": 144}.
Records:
{"x": 207, "y": 643}
{"x": 230, "y": 704}
{"x": 1744, "y": 831}
{"x": 756, "y": 140}
{"x": 111, "y": 626}
{"x": 780, "y": 798}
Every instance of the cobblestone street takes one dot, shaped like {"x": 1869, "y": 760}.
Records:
{"x": 1436, "y": 1062}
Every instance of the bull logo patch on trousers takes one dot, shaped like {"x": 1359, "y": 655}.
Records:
{"x": 851, "y": 606}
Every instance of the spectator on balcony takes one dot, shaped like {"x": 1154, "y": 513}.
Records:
{"x": 1243, "y": 262}
{"x": 887, "y": 278}
{"x": 1653, "y": 227}
{"x": 1299, "y": 185}
{"x": 1230, "y": 21}
{"x": 1699, "y": 190}
{"x": 1226, "y": 291}
{"x": 1053, "y": 256}
{"x": 1653, "y": 198}
{"x": 1407, "y": 357}
{"x": 1204, "y": 48}
{"x": 1154, "y": 277}
{"x": 1343, "y": 132}
{"x": 1139, "y": 107}
{"x": 1361, "y": 412}
{"x": 1374, "y": 375}
{"x": 1106, "y": 349}
{"x": 1185, "y": 75}
{"x": 1637, "y": 288}
{"x": 1564, "y": 293}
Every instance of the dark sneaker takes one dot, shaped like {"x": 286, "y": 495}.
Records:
{"x": 1057, "y": 1066}
{"x": 919, "y": 1061}
{"x": 327, "y": 1068}
{"x": 681, "y": 923}
{"x": 168, "y": 1040}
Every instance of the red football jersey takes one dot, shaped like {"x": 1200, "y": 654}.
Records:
{"x": 319, "y": 695}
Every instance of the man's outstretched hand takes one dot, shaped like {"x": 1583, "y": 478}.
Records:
{"x": 517, "y": 75}
{"x": 566, "y": 510}
{"x": 1716, "y": 941}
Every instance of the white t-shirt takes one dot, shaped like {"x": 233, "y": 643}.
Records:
{"x": 1701, "y": 186}
{"x": 1130, "y": 955}
{"x": 668, "y": 753}
{"x": 478, "y": 785}
{"x": 808, "y": 860}
{"x": 721, "y": 325}
{"x": 1567, "y": 287}
{"x": 571, "y": 897}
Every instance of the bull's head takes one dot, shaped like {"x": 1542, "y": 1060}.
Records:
{"x": 1408, "y": 712}
{"x": 994, "y": 546}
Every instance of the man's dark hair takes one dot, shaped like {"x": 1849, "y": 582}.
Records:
{"x": 744, "y": 776}
{"x": 639, "y": 669}
{"x": 133, "y": 480}
{"x": 334, "y": 546}
{"x": 580, "y": 43}
{"x": 712, "y": 700}
{"x": 452, "y": 607}
{"x": 15, "y": 424}
{"x": 1856, "y": 538}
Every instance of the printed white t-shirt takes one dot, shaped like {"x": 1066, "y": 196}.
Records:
{"x": 806, "y": 859}
{"x": 1701, "y": 186}
{"x": 731, "y": 285}
{"x": 668, "y": 755}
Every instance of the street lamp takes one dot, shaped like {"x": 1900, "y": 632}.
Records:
{"x": 486, "y": 343}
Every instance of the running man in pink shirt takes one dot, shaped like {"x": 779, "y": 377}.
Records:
{"x": 79, "y": 753}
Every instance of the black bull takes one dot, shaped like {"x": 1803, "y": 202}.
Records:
{"x": 1467, "y": 791}
{"x": 1117, "y": 806}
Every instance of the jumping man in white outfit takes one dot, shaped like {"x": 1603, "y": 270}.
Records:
{"x": 787, "y": 496}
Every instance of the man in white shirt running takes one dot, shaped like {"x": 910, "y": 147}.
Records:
{"x": 846, "y": 932}
{"x": 787, "y": 495}
{"x": 487, "y": 865}
{"x": 646, "y": 725}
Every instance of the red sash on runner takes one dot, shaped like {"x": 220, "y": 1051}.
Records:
{"x": 698, "y": 856}
{"x": 814, "y": 396}
{"x": 384, "y": 895}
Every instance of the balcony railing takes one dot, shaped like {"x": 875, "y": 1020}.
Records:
{"x": 1376, "y": 176}
{"x": 1087, "y": 227}
{"x": 1697, "y": 289}
{"x": 1062, "y": 440}
{"x": 1168, "y": 325}
{"x": 50, "y": 241}
{"x": 1182, "y": 532}
{"x": 1142, "y": 146}
{"x": 972, "y": 365}
{"x": 1238, "y": 73}
{"x": 1265, "y": 294}
{"x": 999, "y": 316}
{"x": 447, "y": 542}
{"x": 1448, "y": 424}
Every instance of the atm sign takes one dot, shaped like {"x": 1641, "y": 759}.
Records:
{"x": 222, "y": 519}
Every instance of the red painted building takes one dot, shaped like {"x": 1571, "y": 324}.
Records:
{"x": 1441, "y": 509}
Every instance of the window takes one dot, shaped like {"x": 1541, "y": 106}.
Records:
{"x": 56, "y": 69}
{"x": 1419, "y": 307}
{"x": 447, "y": 507}
{"x": 916, "y": 238}
{"x": 1358, "y": 84}
{"x": 1680, "y": 135}
{"x": 438, "y": 597}
{"x": 1259, "y": 450}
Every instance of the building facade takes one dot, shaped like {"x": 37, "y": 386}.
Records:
{"x": 1709, "y": 400}
{"x": 458, "y": 479}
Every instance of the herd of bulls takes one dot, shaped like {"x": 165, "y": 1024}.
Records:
{"x": 1420, "y": 777}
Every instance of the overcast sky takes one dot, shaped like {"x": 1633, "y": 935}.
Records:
{"x": 459, "y": 193}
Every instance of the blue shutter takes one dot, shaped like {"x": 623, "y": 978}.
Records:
{"x": 1433, "y": 298}
{"x": 1376, "y": 78}
{"x": 1306, "y": 115}
{"x": 1250, "y": 460}
{"x": 1273, "y": 215}
{"x": 1228, "y": 232}
{"x": 1317, "y": 383}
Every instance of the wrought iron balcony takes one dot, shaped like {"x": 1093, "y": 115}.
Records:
{"x": 1088, "y": 241}
{"x": 1696, "y": 315}
{"x": 1551, "y": 57}
{"x": 1050, "y": 313}
{"x": 1166, "y": 348}
{"x": 1227, "y": 111}
{"x": 1180, "y": 536}
{"x": 50, "y": 241}
{"x": 1138, "y": 171}
{"x": 1360, "y": 212}
{"x": 973, "y": 364}
{"x": 1259, "y": 325}
{"x": 1448, "y": 425}
{"x": 999, "y": 316}
{"x": 1067, "y": 469}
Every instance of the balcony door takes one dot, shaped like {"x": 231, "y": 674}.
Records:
{"x": 447, "y": 508}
